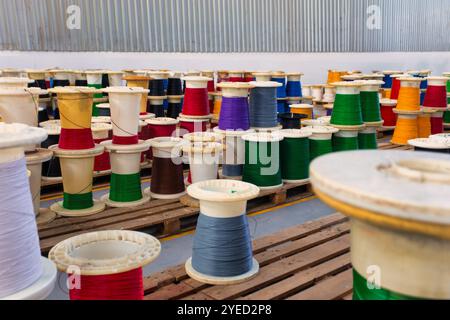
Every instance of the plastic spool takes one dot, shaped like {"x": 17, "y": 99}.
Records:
{"x": 306, "y": 109}
{"x": 388, "y": 78}
{"x": 188, "y": 125}
{"x": 20, "y": 105}
{"x": 211, "y": 86}
{"x": 320, "y": 140}
{"x": 351, "y": 77}
{"x": 115, "y": 78}
{"x": 38, "y": 77}
{"x": 157, "y": 94}
{"x": 262, "y": 160}
{"x": 174, "y": 107}
{"x": 174, "y": 86}
{"x": 162, "y": 127}
{"x": 167, "y": 170}
{"x": 77, "y": 168}
{"x": 61, "y": 77}
{"x": 51, "y": 170}
{"x": 234, "y": 155}
{"x": 293, "y": 85}
{"x": 222, "y": 76}
{"x": 196, "y": 103}
{"x": 347, "y": 112}
{"x": 248, "y": 76}
{"x": 262, "y": 76}
{"x": 294, "y": 155}
{"x": 222, "y": 201}
{"x": 329, "y": 94}
{"x": 11, "y": 72}
{"x": 335, "y": 76}
{"x": 124, "y": 104}
{"x": 203, "y": 159}
{"x": 406, "y": 128}
{"x": 370, "y": 102}
{"x": 101, "y": 133}
{"x": 263, "y": 104}
{"x": 291, "y": 120}
{"x": 103, "y": 110}
{"x": 217, "y": 104}
{"x": 234, "y": 111}
{"x": 75, "y": 107}
{"x": 139, "y": 82}
{"x": 396, "y": 85}
{"x": 319, "y": 122}
{"x": 94, "y": 80}
{"x": 435, "y": 143}
{"x": 345, "y": 140}
{"x": 107, "y": 255}
{"x": 317, "y": 92}
{"x": 236, "y": 76}
{"x": 280, "y": 77}
{"x": 125, "y": 190}
{"x": 100, "y": 119}
{"x": 388, "y": 116}
{"x": 306, "y": 91}
{"x": 436, "y": 95}
{"x": 13, "y": 82}
{"x": 389, "y": 205}
{"x": 80, "y": 78}
{"x": 39, "y": 284}
{"x": 156, "y": 106}
{"x": 367, "y": 139}
{"x": 424, "y": 124}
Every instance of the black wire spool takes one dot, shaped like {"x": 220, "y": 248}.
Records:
{"x": 42, "y": 114}
{"x": 157, "y": 109}
{"x": 61, "y": 83}
{"x": 156, "y": 87}
{"x": 105, "y": 82}
{"x": 174, "y": 109}
{"x": 51, "y": 168}
{"x": 174, "y": 87}
{"x": 81, "y": 83}
{"x": 291, "y": 120}
{"x": 40, "y": 83}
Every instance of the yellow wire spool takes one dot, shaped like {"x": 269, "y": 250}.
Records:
{"x": 423, "y": 125}
{"x": 406, "y": 129}
{"x": 409, "y": 95}
{"x": 306, "y": 109}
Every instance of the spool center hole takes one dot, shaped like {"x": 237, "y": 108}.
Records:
{"x": 422, "y": 170}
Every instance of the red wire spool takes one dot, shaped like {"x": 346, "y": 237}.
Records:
{"x": 436, "y": 94}
{"x": 389, "y": 117}
{"x": 236, "y": 76}
{"x": 161, "y": 127}
{"x": 196, "y": 101}
{"x": 437, "y": 123}
{"x": 100, "y": 133}
{"x": 105, "y": 265}
{"x": 396, "y": 85}
{"x": 189, "y": 125}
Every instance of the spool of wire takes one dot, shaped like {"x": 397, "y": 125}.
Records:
{"x": 294, "y": 155}
{"x": 304, "y": 109}
{"x": 234, "y": 111}
{"x": 108, "y": 264}
{"x": 103, "y": 110}
{"x": 387, "y": 79}
{"x": 203, "y": 158}
{"x": 101, "y": 132}
{"x": 291, "y": 120}
{"x": 424, "y": 124}
{"x": 388, "y": 116}
{"x": 236, "y": 76}
{"x": 370, "y": 102}
{"x": 196, "y": 103}
{"x": 156, "y": 106}
{"x": 140, "y": 82}
{"x": 406, "y": 128}
{"x": 189, "y": 125}
{"x": 174, "y": 106}
{"x": 439, "y": 143}
{"x": 320, "y": 140}
{"x": 174, "y": 87}
{"x": 51, "y": 170}
{"x": 262, "y": 76}
{"x": 222, "y": 249}
{"x": 347, "y": 112}
{"x": 367, "y": 138}
{"x": 345, "y": 140}
{"x": 262, "y": 160}
{"x": 263, "y": 104}
{"x": 294, "y": 85}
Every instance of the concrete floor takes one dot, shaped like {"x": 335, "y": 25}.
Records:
{"x": 177, "y": 249}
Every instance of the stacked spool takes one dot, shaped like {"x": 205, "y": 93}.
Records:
{"x": 76, "y": 151}
{"x": 439, "y": 143}
{"x": 303, "y": 109}
{"x": 217, "y": 105}
{"x": 335, "y": 76}
{"x": 38, "y": 77}
{"x": 234, "y": 122}
{"x": 29, "y": 276}
{"x": 262, "y": 76}
{"x": 157, "y": 97}
{"x": 80, "y": 78}
{"x": 436, "y": 102}
{"x": 347, "y": 115}
{"x": 125, "y": 149}
{"x": 109, "y": 263}
{"x": 211, "y": 88}
{"x": 134, "y": 81}
{"x": 11, "y": 72}
{"x": 101, "y": 132}
{"x": 222, "y": 76}
{"x": 51, "y": 169}
{"x": 196, "y": 110}
{"x": 447, "y": 112}
{"x": 422, "y": 74}
{"x": 387, "y": 86}
{"x": 115, "y": 78}
{"x": 407, "y": 110}
{"x": 161, "y": 127}
{"x": 174, "y": 95}
{"x": 236, "y": 76}
{"x": 322, "y": 121}
{"x": 320, "y": 140}
{"x": 58, "y": 78}
{"x": 294, "y": 155}
{"x": 371, "y": 114}
{"x": 103, "y": 110}
{"x": 294, "y": 88}
{"x": 411, "y": 231}
{"x": 307, "y": 97}
{"x": 191, "y": 73}
{"x": 280, "y": 77}
{"x": 396, "y": 84}
{"x": 222, "y": 250}
{"x": 262, "y": 160}
{"x": 20, "y": 105}
{"x": 323, "y": 99}
{"x": 248, "y": 76}
{"x": 95, "y": 80}
{"x": 387, "y": 113}
{"x": 262, "y": 106}
{"x": 167, "y": 168}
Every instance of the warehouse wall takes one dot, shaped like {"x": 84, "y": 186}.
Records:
{"x": 225, "y": 25}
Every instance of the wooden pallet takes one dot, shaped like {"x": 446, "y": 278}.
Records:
{"x": 390, "y": 146}
{"x": 158, "y": 217}
{"x": 306, "y": 262}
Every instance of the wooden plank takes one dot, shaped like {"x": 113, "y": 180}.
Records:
{"x": 281, "y": 269}
{"x": 197, "y": 296}
{"x": 331, "y": 288}
{"x": 301, "y": 280}
{"x": 297, "y": 231}
{"x": 348, "y": 297}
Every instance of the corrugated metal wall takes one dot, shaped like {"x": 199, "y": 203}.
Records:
{"x": 225, "y": 25}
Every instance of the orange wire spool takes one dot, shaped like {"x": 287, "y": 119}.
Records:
{"x": 423, "y": 125}
{"x": 406, "y": 129}
{"x": 335, "y": 76}
{"x": 409, "y": 95}
{"x": 386, "y": 93}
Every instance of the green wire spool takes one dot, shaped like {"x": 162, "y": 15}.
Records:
{"x": 367, "y": 139}
{"x": 347, "y": 106}
{"x": 294, "y": 155}
{"x": 262, "y": 160}
{"x": 370, "y": 102}
{"x": 345, "y": 141}
{"x": 320, "y": 140}
{"x": 447, "y": 117}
